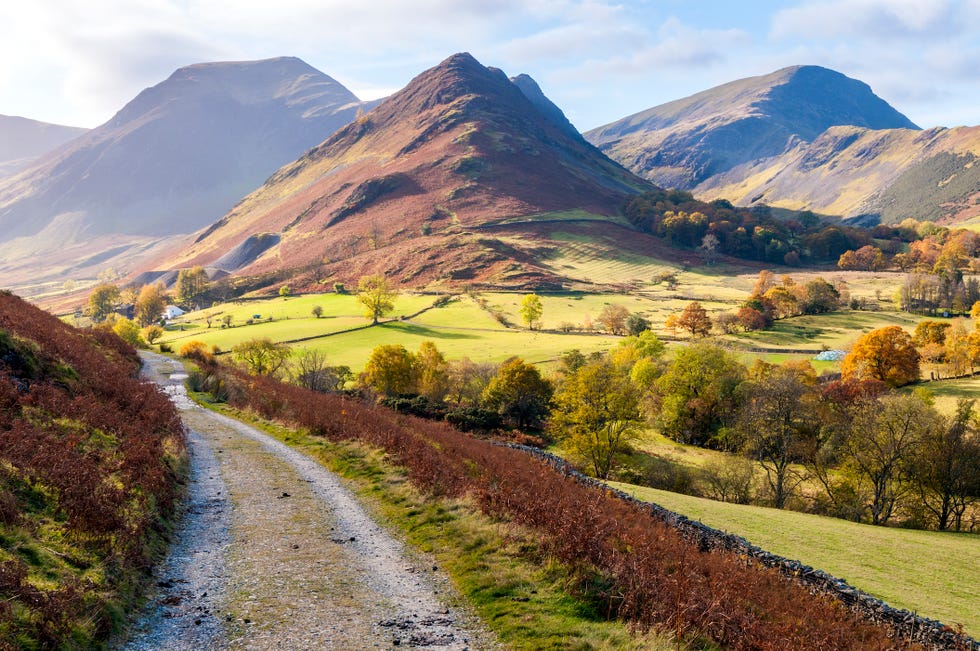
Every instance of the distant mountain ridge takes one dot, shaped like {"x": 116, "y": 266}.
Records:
{"x": 682, "y": 143}
{"x": 410, "y": 185}
{"x": 870, "y": 175}
{"x": 22, "y": 140}
{"x": 172, "y": 160}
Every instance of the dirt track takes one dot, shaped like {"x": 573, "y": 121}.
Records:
{"x": 274, "y": 553}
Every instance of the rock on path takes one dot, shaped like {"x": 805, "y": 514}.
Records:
{"x": 274, "y": 553}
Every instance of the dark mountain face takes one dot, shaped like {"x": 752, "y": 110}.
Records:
{"x": 460, "y": 147}
{"x": 535, "y": 95}
{"x": 178, "y": 155}
{"x": 23, "y": 140}
{"x": 683, "y": 143}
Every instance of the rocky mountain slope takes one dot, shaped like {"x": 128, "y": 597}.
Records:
{"x": 410, "y": 187}
{"x": 802, "y": 138}
{"x": 23, "y": 140}
{"x": 871, "y": 175}
{"x": 682, "y": 143}
{"x": 173, "y": 160}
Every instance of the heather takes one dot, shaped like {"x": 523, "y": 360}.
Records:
{"x": 90, "y": 459}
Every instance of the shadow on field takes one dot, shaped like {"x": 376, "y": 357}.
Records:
{"x": 423, "y": 331}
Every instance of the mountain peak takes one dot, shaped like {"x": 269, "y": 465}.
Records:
{"x": 177, "y": 156}
{"x": 681, "y": 143}
{"x": 460, "y": 147}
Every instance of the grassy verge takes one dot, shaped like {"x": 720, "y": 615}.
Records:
{"x": 935, "y": 574}
{"x": 499, "y": 569}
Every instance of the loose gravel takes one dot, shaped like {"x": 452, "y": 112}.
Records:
{"x": 275, "y": 553}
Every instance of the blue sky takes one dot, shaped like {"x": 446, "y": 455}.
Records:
{"x": 77, "y": 63}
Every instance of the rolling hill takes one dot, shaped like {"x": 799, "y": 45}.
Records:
{"x": 23, "y": 140}
{"x": 173, "y": 160}
{"x": 423, "y": 187}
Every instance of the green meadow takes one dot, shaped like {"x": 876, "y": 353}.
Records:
{"x": 936, "y": 574}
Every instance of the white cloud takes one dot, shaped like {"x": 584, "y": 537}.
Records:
{"x": 869, "y": 19}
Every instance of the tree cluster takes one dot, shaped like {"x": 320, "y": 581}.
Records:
{"x": 748, "y": 233}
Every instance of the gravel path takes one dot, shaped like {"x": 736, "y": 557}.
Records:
{"x": 274, "y": 553}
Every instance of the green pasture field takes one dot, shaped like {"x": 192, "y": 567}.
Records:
{"x": 936, "y": 574}
{"x": 947, "y": 392}
{"x": 576, "y": 308}
{"x": 354, "y": 348}
{"x": 835, "y": 331}
{"x": 459, "y": 329}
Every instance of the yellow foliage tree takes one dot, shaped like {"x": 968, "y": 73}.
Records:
{"x": 887, "y": 354}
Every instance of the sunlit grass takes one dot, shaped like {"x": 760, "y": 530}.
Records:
{"x": 933, "y": 573}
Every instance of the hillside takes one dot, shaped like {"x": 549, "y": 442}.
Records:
{"x": 416, "y": 186}
{"x": 682, "y": 143}
{"x": 171, "y": 161}
{"x": 89, "y": 464}
{"x": 888, "y": 174}
{"x": 23, "y": 140}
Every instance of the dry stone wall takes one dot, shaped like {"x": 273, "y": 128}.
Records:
{"x": 906, "y": 625}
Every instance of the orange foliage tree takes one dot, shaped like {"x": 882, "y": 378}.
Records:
{"x": 887, "y": 354}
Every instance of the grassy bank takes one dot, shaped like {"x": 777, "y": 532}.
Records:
{"x": 935, "y": 574}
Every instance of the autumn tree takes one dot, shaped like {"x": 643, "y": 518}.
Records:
{"x": 613, "y": 318}
{"x": 152, "y": 332}
{"x": 432, "y": 372}
{"x": 881, "y": 447}
{"x": 698, "y": 394}
{"x": 317, "y": 311}
{"x": 946, "y": 470}
{"x": 192, "y": 285}
{"x": 867, "y": 258}
{"x": 930, "y": 332}
{"x": 887, "y": 354}
{"x": 102, "y": 301}
{"x": 129, "y": 332}
{"x": 819, "y": 297}
{"x": 750, "y": 318}
{"x": 262, "y": 356}
{"x": 695, "y": 320}
{"x": 311, "y": 371}
{"x": 956, "y": 350}
{"x": 519, "y": 393}
{"x": 150, "y": 304}
{"x": 636, "y": 323}
{"x": 376, "y": 295}
{"x": 531, "y": 310}
{"x": 597, "y": 414}
{"x": 776, "y": 421}
{"x": 468, "y": 380}
{"x": 391, "y": 371}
